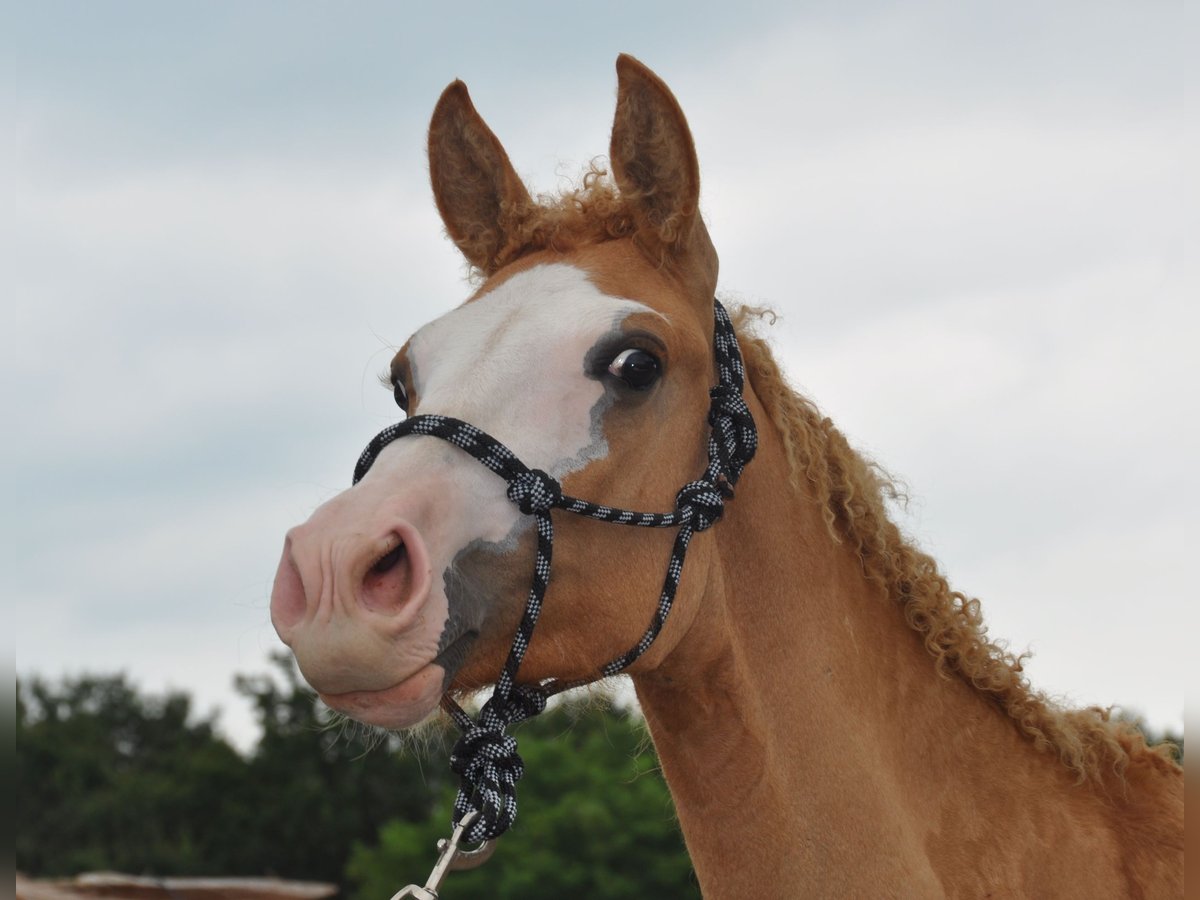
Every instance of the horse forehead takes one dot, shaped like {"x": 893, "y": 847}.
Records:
{"x": 544, "y": 311}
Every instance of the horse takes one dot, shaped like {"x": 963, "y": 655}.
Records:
{"x": 832, "y": 717}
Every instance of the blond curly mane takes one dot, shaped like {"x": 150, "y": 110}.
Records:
{"x": 591, "y": 213}
{"x": 852, "y": 492}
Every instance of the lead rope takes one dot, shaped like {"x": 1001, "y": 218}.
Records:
{"x": 485, "y": 757}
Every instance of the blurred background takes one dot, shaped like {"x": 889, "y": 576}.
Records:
{"x": 973, "y": 219}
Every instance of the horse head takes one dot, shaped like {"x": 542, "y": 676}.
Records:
{"x": 587, "y": 350}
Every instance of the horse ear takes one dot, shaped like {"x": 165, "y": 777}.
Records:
{"x": 654, "y": 159}
{"x": 479, "y": 195}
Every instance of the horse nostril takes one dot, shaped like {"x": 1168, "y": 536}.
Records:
{"x": 388, "y": 561}
{"x": 388, "y": 585}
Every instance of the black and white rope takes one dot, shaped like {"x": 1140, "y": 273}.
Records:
{"x": 485, "y": 758}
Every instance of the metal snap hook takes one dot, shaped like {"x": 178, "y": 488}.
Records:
{"x": 451, "y": 858}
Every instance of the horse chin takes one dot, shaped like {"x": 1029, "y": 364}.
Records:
{"x": 402, "y": 705}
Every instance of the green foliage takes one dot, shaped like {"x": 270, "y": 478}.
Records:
{"x": 595, "y": 821}
{"x": 311, "y": 790}
{"x": 110, "y": 778}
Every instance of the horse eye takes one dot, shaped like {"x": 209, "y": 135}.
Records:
{"x": 637, "y": 368}
{"x": 400, "y": 394}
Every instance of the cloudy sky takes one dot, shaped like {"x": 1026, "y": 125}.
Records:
{"x": 973, "y": 219}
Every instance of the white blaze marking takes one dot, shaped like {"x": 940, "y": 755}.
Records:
{"x": 511, "y": 363}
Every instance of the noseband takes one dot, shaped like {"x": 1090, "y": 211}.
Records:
{"x": 485, "y": 757}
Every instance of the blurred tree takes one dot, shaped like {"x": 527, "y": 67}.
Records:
{"x": 107, "y": 778}
{"x": 315, "y": 786}
{"x": 110, "y": 778}
{"x": 596, "y": 821}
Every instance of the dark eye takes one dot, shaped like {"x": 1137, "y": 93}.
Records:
{"x": 400, "y": 394}
{"x": 637, "y": 368}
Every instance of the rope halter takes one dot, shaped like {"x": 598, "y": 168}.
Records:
{"x": 485, "y": 757}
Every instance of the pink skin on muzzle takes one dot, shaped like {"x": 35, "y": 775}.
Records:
{"x": 360, "y": 595}
{"x": 357, "y": 609}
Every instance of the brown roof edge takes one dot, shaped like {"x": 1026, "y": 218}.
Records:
{"x": 115, "y": 886}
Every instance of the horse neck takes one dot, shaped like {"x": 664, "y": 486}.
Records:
{"x": 799, "y": 719}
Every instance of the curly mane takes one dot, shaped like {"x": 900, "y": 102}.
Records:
{"x": 593, "y": 212}
{"x": 853, "y": 492}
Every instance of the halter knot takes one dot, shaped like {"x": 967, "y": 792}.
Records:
{"x": 700, "y": 503}
{"x": 733, "y": 428}
{"x": 525, "y": 702}
{"x": 481, "y": 747}
{"x": 486, "y": 760}
{"x": 534, "y": 492}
